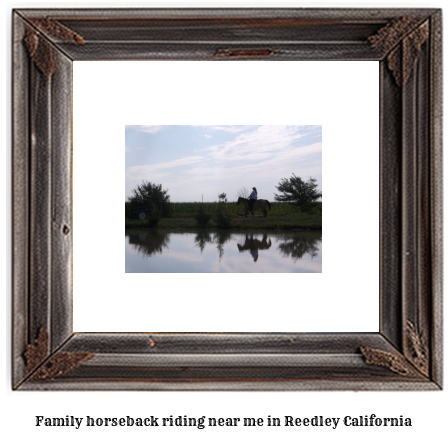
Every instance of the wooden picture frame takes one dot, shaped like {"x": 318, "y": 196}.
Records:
{"x": 406, "y": 353}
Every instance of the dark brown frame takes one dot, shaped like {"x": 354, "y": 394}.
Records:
{"x": 406, "y": 354}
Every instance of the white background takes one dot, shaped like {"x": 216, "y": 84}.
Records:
{"x": 110, "y": 95}
{"x": 427, "y": 410}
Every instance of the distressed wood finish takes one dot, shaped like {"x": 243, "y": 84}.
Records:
{"x": 20, "y": 208}
{"x": 406, "y": 354}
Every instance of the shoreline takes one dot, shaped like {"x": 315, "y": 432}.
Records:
{"x": 302, "y": 222}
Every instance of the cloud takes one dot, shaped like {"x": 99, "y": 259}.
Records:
{"x": 311, "y": 127}
{"x": 258, "y": 144}
{"x": 202, "y": 170}
{"x": 176, "y": 163}
{"x": 306, "y": 157}
{"x": 149, "y": 129}
{"x": 140, "y": 174}
{"x": 153, "y": 170}
{"x": 232, "y": 128}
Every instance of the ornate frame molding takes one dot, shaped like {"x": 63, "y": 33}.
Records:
{"x": 406, "y": 354}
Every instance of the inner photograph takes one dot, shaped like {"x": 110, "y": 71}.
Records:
{"x": 223, "y": 199}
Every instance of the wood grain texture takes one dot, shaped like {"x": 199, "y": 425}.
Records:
{"x": 40, "y": 200}
{"x": 61, "y": 201}
{"x": 436, "y": 195}
{"x": 410, "y": 336}
{"x": 391, "y": 236}
{"x": 20, "y": 200}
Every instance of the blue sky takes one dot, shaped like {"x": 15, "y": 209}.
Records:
{"x": 191, "y": 161}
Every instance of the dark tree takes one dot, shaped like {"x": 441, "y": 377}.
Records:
{"x": 222, "y": 219}
{"x": 202, "y": 217}
{"x": 298, "y": 192}
{"x": 222, "y": 197}
{"x": 148, "y": 193}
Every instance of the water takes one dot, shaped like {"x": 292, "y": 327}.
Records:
{"x": 158, "y": 251}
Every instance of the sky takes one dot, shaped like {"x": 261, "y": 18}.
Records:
{"x": 204, "y": 161}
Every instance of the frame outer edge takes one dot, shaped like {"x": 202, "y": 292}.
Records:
{"x": 20, "y": 200}
{"x": 38, "y": 306}
{"x": 436, "y": 138}
{"x": 417, "y": 226}
{"x": 279, "y": 385}
{"x": 422, "y": 319}
{"x": 251, "y": 12}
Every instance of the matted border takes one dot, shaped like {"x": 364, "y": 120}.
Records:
{"x": 406, "y": 354}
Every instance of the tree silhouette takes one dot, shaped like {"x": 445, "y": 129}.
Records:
{"x": 298, "y": 192}
{"x": 148, "y": 193}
